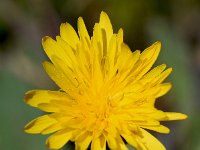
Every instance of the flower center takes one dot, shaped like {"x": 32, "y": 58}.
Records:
{"x": 103, "y": 111}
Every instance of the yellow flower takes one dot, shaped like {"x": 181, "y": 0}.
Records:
{"x": 107, "y": 93}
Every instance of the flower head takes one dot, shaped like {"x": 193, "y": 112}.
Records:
{"x": 107, "y": 93}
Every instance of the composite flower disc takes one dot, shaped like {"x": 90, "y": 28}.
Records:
{"x": 106, "y": 92}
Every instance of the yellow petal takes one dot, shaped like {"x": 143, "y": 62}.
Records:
{"x": 97, "y": 75}
{"x": 82, "y": 30}
{"x": 48, "y": 107}
{"x": 57, "y": 76}
{"x": 130, "y": 139}
{"x": 52, "y": 48}
{"x": 175, "y": 116}
{"x": 105, "y": 23}
{"x": 157, "y": 115}
{"x": 140, "y": 120}
{"x": 71, "y": 122}
{"x": 149, "y": 56}
{"x": 150, "y": 142}
{"x": 112, "y": 143}
{"x": 161, "y": 77}
{"x": 70, "y": 59}
{"x": 141, "y": 146}
{"x": 164, "y": 88}
{"x": 155, "y": 72}
{"x": 160, "y": 128}
{"x": 39, "y": 124}
{"x": 119, "y": 43}
{"x": 59, "y": 139}
{"x": 111, "y": 53}
{"x": 36, "y": 97}
{"x": 123, "y": 146}
{"x": 99, "y": 143}
{"x": 99, "y": 45}
{"x": 116, "y": 142}
{"x": 125, "y": 53}
{"x": 120, "y": 37}
{"x": 126, "y": 61}
{"x": 56, "y": 105}
{"x": 151, "y": 52}
{"x": 68, "y": 72}
{"x": 109, "y": 68}
{"x": 83, "y": 141}
{"x": 120, "y": 144}
{"x": 53, "y": 128}
{"x": 68, "y": 34}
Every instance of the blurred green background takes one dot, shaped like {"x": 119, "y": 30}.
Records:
{"x": 176, "y": 23}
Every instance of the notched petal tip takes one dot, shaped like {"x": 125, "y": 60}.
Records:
{"x": 63, "y": 25}
{"x": 69, "y": 34}
{"x": 80, "y": 19}
{"x": 44, "y": 39}
{"x": 46, "y": 44}
{"x": 45, "y": 64}
{"x": 29, "y": 95}
{"x": 103, "y": 13}
{"x": 28, "y": 127}
{"x": 39, "y": 124}
{"x": 121, "y": 31}
{"x": 49, "y": 145}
